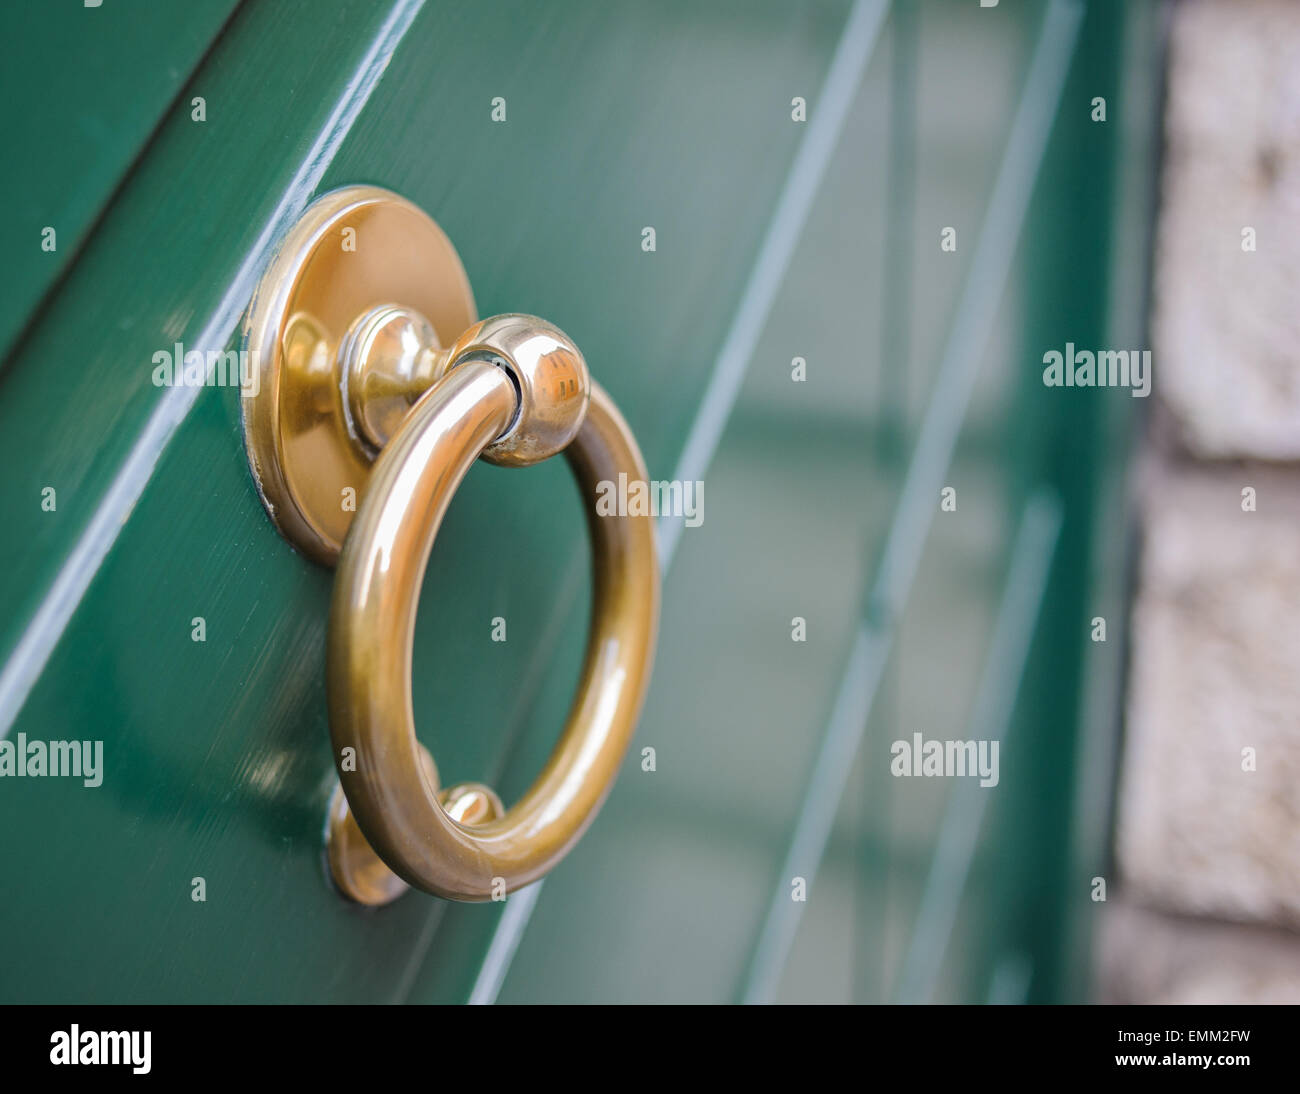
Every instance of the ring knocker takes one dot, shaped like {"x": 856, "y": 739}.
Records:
{"x": 355, "y": 391}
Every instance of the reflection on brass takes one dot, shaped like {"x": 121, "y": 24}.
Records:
{"x": 374, "y": 376}
{"x": 354, "y": 250}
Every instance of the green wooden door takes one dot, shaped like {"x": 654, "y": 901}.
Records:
{"x": 798, "y": 339}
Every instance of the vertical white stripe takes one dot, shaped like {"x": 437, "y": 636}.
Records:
{"x": 821, "y": 800}
{"x": 981, "y": 294}
{"x": 828, "y": 113}
{"x": 976, "y": 311}
{"x": 505, "y": 941}
{"x": 990, "y": 718}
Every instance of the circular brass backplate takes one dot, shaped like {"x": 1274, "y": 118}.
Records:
{"x": 353, "y": 250}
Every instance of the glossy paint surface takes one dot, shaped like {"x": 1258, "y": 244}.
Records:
{"x": 84, "y": 90}
{"x": 775, "y": 240}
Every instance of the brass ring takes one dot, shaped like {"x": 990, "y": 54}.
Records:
{"x": 457, "y": 843}
{"x": 374, "y": 382}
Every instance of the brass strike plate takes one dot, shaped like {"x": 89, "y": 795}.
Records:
{"x": 355, "y": 251}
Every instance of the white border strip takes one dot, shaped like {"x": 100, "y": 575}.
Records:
{"x": 990, "y": 720}
{"x": 505, "y": 942}
{"x": 816, "y": 819}
{"x": 32, "y": 652}
{"x": 932, "y": 454}
{"x": 978, "y": 307}
{"x": 829, "y": 113}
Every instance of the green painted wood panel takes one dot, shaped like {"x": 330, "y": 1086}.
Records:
{"x": 805, "y": 488}
{"x": 217, "y": 762}
{"x": 664, "y": 897}
{"x": 620, "y": 116}
{"x": 83, "y": 89}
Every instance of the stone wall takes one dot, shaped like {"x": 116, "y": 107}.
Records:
{"x": 1208, "y": 828}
